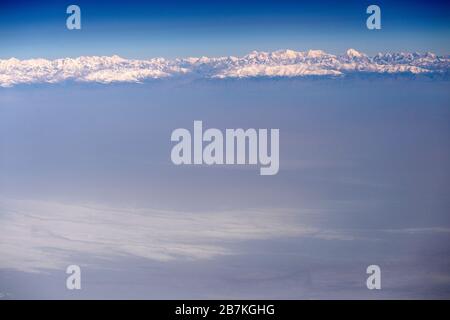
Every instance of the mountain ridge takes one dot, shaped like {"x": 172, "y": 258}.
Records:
{"x": 280, "y": 63}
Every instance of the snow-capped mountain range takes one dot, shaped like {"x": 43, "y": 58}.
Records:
{"x": 281, "y": 63}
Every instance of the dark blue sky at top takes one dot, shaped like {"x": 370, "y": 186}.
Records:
{"x": 138, "y": 29}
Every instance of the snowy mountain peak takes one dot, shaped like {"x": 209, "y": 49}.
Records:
{"x": 315, "y": 53}
{"x": 285, "y": 54}
{"x": 352, "y": 53}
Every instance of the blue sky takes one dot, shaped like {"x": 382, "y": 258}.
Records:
{"x": 184, "y": 28}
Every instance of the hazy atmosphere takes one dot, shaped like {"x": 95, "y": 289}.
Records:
{"x": 87, "y": 179}
{"x": 87, "y": 175}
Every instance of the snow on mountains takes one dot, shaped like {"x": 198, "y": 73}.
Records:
{"x": 282, "y": 63}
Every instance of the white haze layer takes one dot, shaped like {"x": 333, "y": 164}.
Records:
{"x": 36, "y": 235}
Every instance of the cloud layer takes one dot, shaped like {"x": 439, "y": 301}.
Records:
{"x": 37, "y": 235}
{"x": 282, "y": 63}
